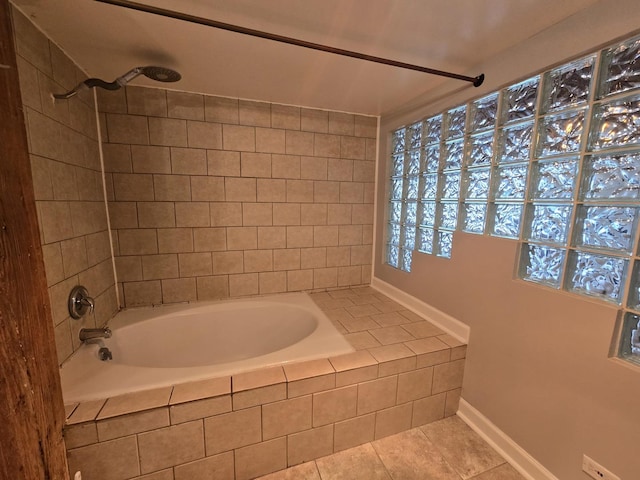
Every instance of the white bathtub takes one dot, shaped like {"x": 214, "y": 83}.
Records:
{"x": 168, "y": 345}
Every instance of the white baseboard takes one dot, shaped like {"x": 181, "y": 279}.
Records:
{"x": 528, "y": 466}
{"x": 445, "y": 322}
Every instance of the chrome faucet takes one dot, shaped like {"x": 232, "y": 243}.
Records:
{"x": 91, "y": 333}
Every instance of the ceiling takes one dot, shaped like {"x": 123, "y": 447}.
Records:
{"x": 452, "y": 35}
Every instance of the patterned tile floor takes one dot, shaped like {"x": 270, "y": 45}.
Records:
{"x": 445, "y": 450}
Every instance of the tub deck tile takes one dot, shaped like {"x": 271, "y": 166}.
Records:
{"x": 257, "y": 378}
{"x": 135, "y": 402}
{"x": 188, "y": 392}
{"x": 86, "y": 412}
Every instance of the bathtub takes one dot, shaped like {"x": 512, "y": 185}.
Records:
{"x": 168, "y": 345}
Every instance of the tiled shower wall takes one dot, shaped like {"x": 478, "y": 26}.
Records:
{"x": 65, "y": 163}
{"x": 214, "y": 197}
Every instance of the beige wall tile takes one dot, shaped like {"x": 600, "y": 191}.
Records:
{"x": 124, "y": 425}
{"x": 299, "y": 143}
{"x": 55, "y": 218}
{"x": 156, "y": 215}
{"x": 174, "y": 240}
{"x": 150, "y": 159}
{"x": 428, "y": 409}
{"x": 285, "y": 166}
{"x": 188, "y": 161}
{"x": 232, "y": 430}
{"x": 286, "y": 214}
{"x": 227, "y": 262}
{"x": 261, "y": 459}
{"x": 313, "y": 257}
{"x": 220, "y": 109}
{"x": 74, "y": 256}
{"x": 142, "y": 293}
{"x": 362, "y": 214}
{"x": 363, "y": 171}
{"x": 327, "y": 145}
{"x": 350, "y": 235}
{"x": 334, "y": 405}
{"x": 136, "y": 187}
{"x": 299, "y": 237}
{"x": 299, "y": 280}
{"x": 167, "y": 131}
{"x": 312, "y": 120}
{"x": 160, "y": 475}
{"x": 171, "y": 188}
{"x": 287, "y": 416}
{"x": 309, "y": 445}
{"x": 377, "y": 394}
{"x": 226, "y": 214}
{"x": 204, "y": 135}
{"x": 452, "y": 402}
{"x": 208, "y": 239}
{"x": 393, "y": 420}
{"x": 366, "y": 126}
{"x": 156, "y": 267}
{"x": 257, "y": 214}
{"x": 137, "y": 242}
{"x": 242, "y": 238}
{"x": 285, "y": 116}
{"x": 239, "y": 138}
{"x": 171, "y": 446}
{"x": 325, "y": 277}
{"x": 272, "y": 237}
{"x": 41, "y": 177}
{"x": 185, "y": 105}
{"x": 351, "y": 192}
{"x": 195, "y": 264}
{"x": 272, "y": 282}
{"x": 127, "y": 129}
{"x": 325, "y": 236}
{"x": 207, "y": 189}
{"x": 223, "y": 163}
{"x": 326, "y": 192}
{"x": 313, "y": 214}
{"x": 255, "y": 113}
{"x": 245, "y": 284}
{"x": 341, "y": 170}
{"x": 339, "y": 214}
{"x": 341, "y": 123}
{"x": 255, "y": 164}
{"x": 313, "y": 168}
{"x": 286, "y": 259}
{"x": 146, "y": 101}
{"x": 300, "y": 191}
{"x": 240, "y": 189}
{"x": 193, "y": 214}
{"x": 258, "y": 260}
{"x": 353, "y": 432}
{"x": 212, "y": 288}
{"x": 361, "y": 255}
{"x": 123, "y": 215}
{"x": 350, "y": 276}
{"x": 96, "y": 461}
{"x": 270, "y": 140}
{"x": 269, "y": 190}
{"x": 112, "y": 101}
{"x": 448, "y": 376}
{"x": 352, "y": 147}
{"x": 219, "y": 467}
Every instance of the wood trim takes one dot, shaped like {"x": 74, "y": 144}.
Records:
{"x": 31, "y": 407}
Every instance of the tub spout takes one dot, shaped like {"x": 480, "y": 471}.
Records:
{"x": 91, "y": 333}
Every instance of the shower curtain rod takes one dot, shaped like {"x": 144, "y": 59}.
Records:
{"x": 476, "y": 81}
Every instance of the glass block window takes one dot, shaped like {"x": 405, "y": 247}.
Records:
{"x": 552, "y": 162}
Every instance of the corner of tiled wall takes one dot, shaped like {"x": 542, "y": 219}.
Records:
{"x": 213, "y": 197}
{"x": 65, "y": 163}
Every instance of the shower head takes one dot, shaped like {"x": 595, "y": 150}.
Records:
{"x": 159, "y": 74}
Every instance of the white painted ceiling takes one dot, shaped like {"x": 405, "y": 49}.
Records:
{"x": 453, "y": 35}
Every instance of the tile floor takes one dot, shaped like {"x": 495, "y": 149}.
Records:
{"x": 444, "y": 450}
